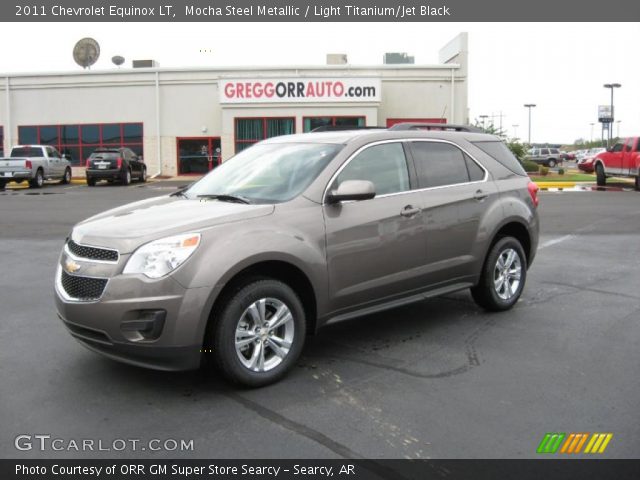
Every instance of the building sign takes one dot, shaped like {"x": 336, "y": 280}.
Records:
{"x": 300, "y": 90}
{"x": 605, "y": 115}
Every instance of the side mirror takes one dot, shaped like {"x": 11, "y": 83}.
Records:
{"x": 609, "y": 149}
{"x": 352, "y": 190}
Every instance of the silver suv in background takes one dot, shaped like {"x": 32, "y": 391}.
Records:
{"x": 292, "y": 234}
{"x": 549, "y": 157}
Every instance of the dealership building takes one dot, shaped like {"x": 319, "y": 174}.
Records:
{"x": 186, "y": 121}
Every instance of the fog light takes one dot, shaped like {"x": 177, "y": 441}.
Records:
{"x": 147, "y": 326}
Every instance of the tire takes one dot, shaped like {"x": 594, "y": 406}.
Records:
{"x": 506, "y": 254}
{"x": 601, "y": 178}
{"x": 38, "y": 181}
{"x": 3, "y": 184}
{"x": 637, "y": 184}
{"x": 551, "y": 163}
{"x": 126, "y": 177}
{"x": 91, "y": 182}
{"x": 66, "y": 178}
{"x": 143, "y": 175}
{"x": 243, "y": 350}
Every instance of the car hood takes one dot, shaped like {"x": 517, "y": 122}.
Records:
{"x": 126, "y": 228}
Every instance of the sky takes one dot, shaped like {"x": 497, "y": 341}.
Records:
{"x": 561, "y": 67}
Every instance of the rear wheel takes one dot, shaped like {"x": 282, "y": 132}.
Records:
{"x": 3, "y": 183}
{"x": 38, "y": 180}
{"x": 126, "y": 177}
{"x": 259, "y": 333}
{"x": 638, "y": 183}
{"x": 143, "y": 175}
{"x": 91, "y": 182}
{"x": 66, "y": 178}
{"x": 551, "y": 163}
{"x": 503, "y": 276}
{"x": 601, "y": 178}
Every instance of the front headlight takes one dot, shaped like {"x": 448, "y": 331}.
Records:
{"x": 160, "y": 257}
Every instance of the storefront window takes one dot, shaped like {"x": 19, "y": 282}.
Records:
{"x": 1, "y": 141}
{"x": 311, "y": 123}
{"x": 251, "y": 130}
{"x": 79, "y": 141}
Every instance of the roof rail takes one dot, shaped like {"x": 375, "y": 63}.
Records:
{"x": 340, "y": 128}
{"x": 435, "y": 126}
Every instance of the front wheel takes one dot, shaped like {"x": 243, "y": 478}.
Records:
{"x": 601, "y": 178}
{"x": 143, "y": 175}
{"x": 552, "y": 163}
{"x": 638, "y": 183}
{"x": 258, "y": 333}
{"x": 503, "y": 276}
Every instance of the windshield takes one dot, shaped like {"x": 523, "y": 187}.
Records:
{"x": 267, "y": 173}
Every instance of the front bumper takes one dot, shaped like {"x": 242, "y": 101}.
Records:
{"x": 156, "y": 324}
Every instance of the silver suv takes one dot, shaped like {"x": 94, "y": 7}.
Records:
{"x": 295, "y": 233}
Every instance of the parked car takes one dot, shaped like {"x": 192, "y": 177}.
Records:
{"x": 567, "y": 156}
{"x": 34, "y": 164}
{"x": 586, "y": 164}
{"x": 621, "y": 160}
{"x": 549, "y": 157}
{"x": 292, "y": 234}
{"x": 115, "y": 164}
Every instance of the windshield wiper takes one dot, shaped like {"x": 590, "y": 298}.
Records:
{"x": 226, "y": 198}
{"x": 180, "y": 191}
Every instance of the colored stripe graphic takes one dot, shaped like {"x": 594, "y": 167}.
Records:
{"x": 574, "y": 443}
{"x": 551, "y": 442}
{"x": 598, "y": 443}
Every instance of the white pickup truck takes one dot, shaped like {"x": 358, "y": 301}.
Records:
{"x": 35, "y": 164}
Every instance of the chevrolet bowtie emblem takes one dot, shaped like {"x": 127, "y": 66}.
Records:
{"x": 71, "y": 266}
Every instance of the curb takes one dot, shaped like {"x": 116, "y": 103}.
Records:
{"x": 555, "y": 184}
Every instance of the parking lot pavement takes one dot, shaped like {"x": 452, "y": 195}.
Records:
{"x": 437, "y": 379}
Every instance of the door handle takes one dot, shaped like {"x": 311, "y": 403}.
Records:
{"x": 480, "y": 195}
{"x": 410, "y": 211}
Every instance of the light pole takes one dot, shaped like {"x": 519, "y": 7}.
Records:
{"x": 611, "y": 86}
{"x": 484, "y": 118}
{"x": 592, "y": 124}
{"x": 529, "y": 106}
{"x": 618, "y": 128}
{"x": 515, "y": 131}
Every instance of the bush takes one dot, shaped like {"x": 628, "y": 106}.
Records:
{"x": 561, "y": 171}
{"x": 544, "y": 171}
{"x": 530, "y": 166}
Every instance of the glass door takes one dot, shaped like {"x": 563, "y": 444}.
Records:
{"x": 198, "y": 155}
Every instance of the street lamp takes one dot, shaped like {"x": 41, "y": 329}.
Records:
{"x": 515, "y": 131}
{"x": 611, "y": 86}
{"x": 592, "y": 124}
{"x": 529, "y": 106}
{"x": 483, "y": 117}
{"x": 618, "y": 128}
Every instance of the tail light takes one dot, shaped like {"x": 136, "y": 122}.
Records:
{"x": 533, "y": 191}
{"x": 119, "y": 162}
{"x": 28, "y": 164}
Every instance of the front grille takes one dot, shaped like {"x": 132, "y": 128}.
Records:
{"x": 83, "y": 288}
{"x": 93, "y": 253}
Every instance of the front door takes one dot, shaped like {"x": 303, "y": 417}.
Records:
{"x": 375, "y": 248}
{"x": 198, "y": 155}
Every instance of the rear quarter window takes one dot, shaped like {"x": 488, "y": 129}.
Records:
{"x": 500, "y": 153}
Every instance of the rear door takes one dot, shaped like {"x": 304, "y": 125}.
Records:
{"x": 456, "y": 192}
{"x": 627, "y": 157}
{"x": 376, "y": 248}
{"x": 53, "y": 163}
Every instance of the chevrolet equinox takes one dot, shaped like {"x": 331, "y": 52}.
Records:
{"x": 294, "y": 233}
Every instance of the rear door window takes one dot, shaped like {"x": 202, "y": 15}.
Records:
{"x": 439, "y": 164}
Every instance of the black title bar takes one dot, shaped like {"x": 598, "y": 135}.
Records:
{"x": 321, "y": 11}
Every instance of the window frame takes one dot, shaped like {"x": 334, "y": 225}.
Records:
{"x": 264, "y": 129}
{"x": 411, "y": 165}
{"x": 81, "y": 147}
{"x": 333, "y": 120}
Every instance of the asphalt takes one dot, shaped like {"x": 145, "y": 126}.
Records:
{"x": 438, "y": 379}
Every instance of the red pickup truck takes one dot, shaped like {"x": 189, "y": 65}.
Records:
{"x": 621, "y": 160}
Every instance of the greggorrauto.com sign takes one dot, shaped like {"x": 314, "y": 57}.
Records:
{"x": 300, "y": 90}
